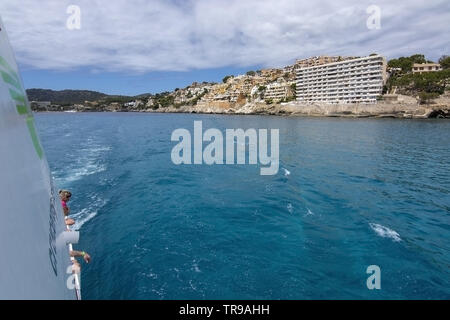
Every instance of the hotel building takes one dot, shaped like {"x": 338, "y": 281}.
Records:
{"x": 357, "y": 80}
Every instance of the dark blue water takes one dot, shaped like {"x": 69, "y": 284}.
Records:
{"x": 349, "y": 194}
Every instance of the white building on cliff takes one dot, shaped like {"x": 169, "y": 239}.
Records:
{"x": 357, "y": 80}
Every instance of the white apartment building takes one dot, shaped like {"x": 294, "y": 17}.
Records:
{"x": 358, "y": 80}
{"x": 278, "y": 90}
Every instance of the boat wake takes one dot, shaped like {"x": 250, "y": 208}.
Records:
{"x": 78, "y": 173}
{"x": 88, "y": 213}
{"x": 88, "y": 163}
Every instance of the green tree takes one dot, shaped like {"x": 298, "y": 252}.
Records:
{"x": 427, "y": 97}
{"x": 294, "y": 89}
{"x": 224, "y": 80}
{"x": 418, "y": 58}
{"x": 406, "y": 63}
{"x": 445, "y": 62}
{"x": 251, "y": 73}
{"x": 430, "y": 82}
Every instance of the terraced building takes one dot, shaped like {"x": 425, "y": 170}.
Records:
{"x": 358, "y": 80}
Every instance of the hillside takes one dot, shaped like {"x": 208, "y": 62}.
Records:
{"x": 64, "y": 97}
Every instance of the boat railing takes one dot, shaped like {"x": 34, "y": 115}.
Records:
{"x": 76, "y": 272}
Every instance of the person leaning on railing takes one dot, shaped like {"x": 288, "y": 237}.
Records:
{"x": 76, "y": 265}
{"x": 65, "y": 196}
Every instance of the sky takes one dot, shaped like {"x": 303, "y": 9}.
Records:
{"x": 137, "y": 46}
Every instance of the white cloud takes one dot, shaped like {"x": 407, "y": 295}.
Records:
{"x": 143, "y": 36}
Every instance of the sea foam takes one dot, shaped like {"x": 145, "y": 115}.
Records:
{"x": 385, "y": 232}
{"x": 88, "y": 213}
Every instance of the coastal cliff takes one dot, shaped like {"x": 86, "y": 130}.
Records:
{"x": 379, "y": 110}
{"x": 399, "y": 109}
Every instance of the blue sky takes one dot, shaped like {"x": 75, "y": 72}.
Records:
{"x": 139, "y": 46}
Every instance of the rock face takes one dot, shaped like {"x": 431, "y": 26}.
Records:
{"x": 380, "y": 110}
{"x": 361, "y": 110}
{"x": 440, "y": 114}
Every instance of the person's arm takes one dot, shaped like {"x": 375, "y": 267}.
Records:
{"x": 86, "y": 257}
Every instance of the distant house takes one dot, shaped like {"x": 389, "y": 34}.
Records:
{"x": 40, "y": 105}
{"x": 426, "y": 67}
{"x": 391, "y": 69}
{"x": 130, "y": 104}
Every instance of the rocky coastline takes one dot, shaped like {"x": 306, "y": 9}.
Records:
{"x": 400, "y": 109}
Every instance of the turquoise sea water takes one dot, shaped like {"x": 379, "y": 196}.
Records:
{"x": 349, "y": 194}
